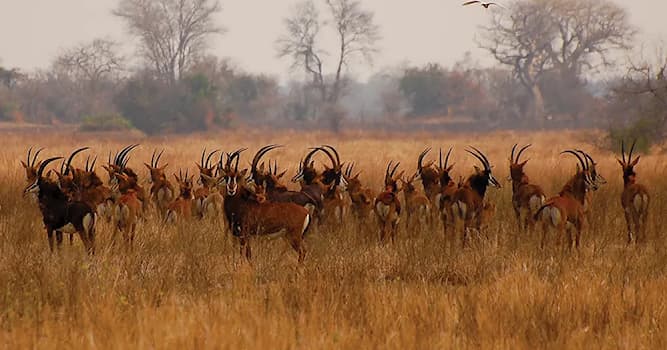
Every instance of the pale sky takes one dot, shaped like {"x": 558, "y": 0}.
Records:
{"x": 32, "y": 32}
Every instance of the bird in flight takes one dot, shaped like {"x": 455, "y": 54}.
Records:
{"x": 483, "y": 3}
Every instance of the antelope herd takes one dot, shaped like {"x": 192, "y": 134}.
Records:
{"x": 257, "y": 201}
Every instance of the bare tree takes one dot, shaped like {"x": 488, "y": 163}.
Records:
{"x": 172, "y": 32}
{"x": 535, "y": 36}
{"x": 91, "y": 62}
{"x": 356, "y": 34}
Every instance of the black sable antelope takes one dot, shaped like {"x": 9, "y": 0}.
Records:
{"x": 468, "y": 205}
{"x": 61, "y": 215}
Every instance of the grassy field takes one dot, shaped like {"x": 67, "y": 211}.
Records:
{"x": 187, "y": 287}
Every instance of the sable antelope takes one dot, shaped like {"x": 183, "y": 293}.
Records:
{"x": 212, "y": 205}
{"x": 208, "y": 183}
{"x": 360, "y": 196}
{"x": 60, "y": 214}
{"x": 182, "y": 206}
{"x": 387, "y": 206}
{"x": 468, "y": 205}
{"x": 127, "y": 206}
{"x": 447, "y": 190}
{"x": 31, "y": 165}
{"x": 334, "y": 205}
{"x": 92, "y": 191}
{"x": 417, "y": 205}
{"x": 595, "y": 176}
{"x": 250, "y": 214}
{"x": 310, "y": 182}
{"x": 565, "y": 212}
{"x": 429, "y": 176}
{"x": 635, "y": 198}
{"x": 527, "y": 198}
{"x": 161, "y": 192}
{"x": 119, "y": 166}
{"x": 66, "y": 175}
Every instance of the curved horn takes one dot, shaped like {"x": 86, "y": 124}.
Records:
{"x": 632, "y": 148}
{"x": 124, "y": 159}
{"x": 258, "y": 156}
{"x": 71, "y": 157}
{"x": 581, "y": 161}
{"x": 485, "y": 161}
{"x": 518, "y": 156}
{"x": 157, "y": 160}
{"x": 512, "y": 158}
{"x": 208, "y": 159}
{"x": 589, "y": 160}
{"x": 447, "y": 158}
{"x": 386, "y": 172}
{"x": 334, "y": 164}
{"x": 393, "y": 172}
{"x": 92, "y": 165}
{"x": 118, "y": 157}
{"x": 153, "y": 159}
{"x": 306, "y": 159}
{"x": 203, "y": 154}
{"x": 623, "y": 151}
{"x": 335, "y": 152}
{"x": 420, "y": 160}
{"x": 43, "y": 165}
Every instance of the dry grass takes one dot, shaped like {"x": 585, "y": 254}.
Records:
{"x": 186, "y": 286}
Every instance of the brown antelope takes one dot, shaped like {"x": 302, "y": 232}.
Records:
{"x": 60, "y": 214}
{"x": 635, "y": 198}
{"x": 311, "y": 184}
{"x": 208, "y": 183}
{"x": 119, "y": 166}
{"x": 447, "y": 190}
{"x": 565, "y": 212}
{"x": 162, "y": 192}
{"x": 92, "y": 191}
{"x": 181, "y": 207}
{"x": 250, "y": 214}
{"x": 360, "y": 196}
{"x": 127, "y": 206}
{"x": 212, "y": 206}
{"x": 468, "y": 205}
{"x": 429, "y": 176}
{"x": 417, "y": 205}
{"x": 527, "y": 198}
{"x": 596, "y": 177}
{"x": 387, "y": 206}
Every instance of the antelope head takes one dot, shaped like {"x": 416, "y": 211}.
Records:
{"x": 583, "y": 179}
{"x": 307, "y": 173}
{"x": 409, "y": 183}
{"x": 485, "y": 174}
{"x": 119, "y": 165}
{"x": 66, "y": 180}
{"x": 517, "y": 175}
{"x": 184, "y": 184}
{"x": 156, "y": 171}
{"x": 31, "y": 165}
{"x": 592, "y": 166}
{"x": 261, "y": 175}
{"x": 428, "y": 175}
{"x": 34, "y": 187}
{"x": 232, "y": 176}
{"x": 205, "y": 167}
{"x": 391, "y": 179}
{"x": 353, "y": 182}
{"x": 628, "y": 164}
{"x": 333, "y": 175}
{"x": 444, "y": 168}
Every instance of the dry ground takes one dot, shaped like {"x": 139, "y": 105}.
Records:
{"x": 186, "y": 286}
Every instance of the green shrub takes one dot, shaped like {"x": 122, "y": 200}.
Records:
{"x": 645, "y": 130}
{"x": 105, "y": 122}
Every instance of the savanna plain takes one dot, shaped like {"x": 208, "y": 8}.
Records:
{"x": 186, "y": 285}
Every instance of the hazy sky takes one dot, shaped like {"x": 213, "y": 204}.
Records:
{"x": 32, "y": 32}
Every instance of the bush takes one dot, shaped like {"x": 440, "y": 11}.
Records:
{"x": 642, "y": 130}
{"x": 105, "y": 122}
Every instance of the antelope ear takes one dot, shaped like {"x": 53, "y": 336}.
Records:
{"x": 244, "y": 172}
{"x": 279, "y": 176}
{"x": 261, "y": 167}
{"x": 522, "y": 164}
{"x": 634, "y": 162}
{"x": 206, "y": 177}
{"x": 107, "y": 168}
{"x": 176, "y": 177}
{"x": 164, "y": 166}
{"x": 200, "y": 167}
{"x": 620, "y": 162}
{"x": 450, "y": 167}
{"x": 477, "y": 168}
{"x": 24, "y": 164}
{"x": 148, "y": 166}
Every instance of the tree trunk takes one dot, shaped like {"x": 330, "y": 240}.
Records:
{"x": 537, "y": 109}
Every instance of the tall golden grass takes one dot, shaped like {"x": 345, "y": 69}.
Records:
{"x": 187, "y": 287}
